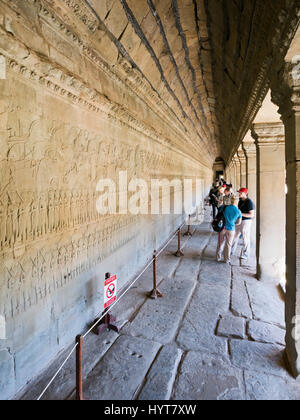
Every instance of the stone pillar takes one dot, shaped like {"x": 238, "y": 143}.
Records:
{"x": 270, "y": 240}
{"x": 243, "y": 162}
{"x": 286, "y": 94}
{"x": 250, "y": 152}
{"x": 237, "y": 172}
{"x": 231, "y": 173}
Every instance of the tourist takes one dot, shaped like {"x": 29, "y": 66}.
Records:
{"x": 227, "y": 197}
{"x": 233, "y": 218}
{"x": 213, "y": 199}
{"x": 247, "y": 208}
{"x": 220, "y": 196}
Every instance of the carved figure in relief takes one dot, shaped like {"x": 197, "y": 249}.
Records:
{"x": 56, "y": 210}
{"x": 21, "y": 219}
{"x": 51, "y": 211}
{"x": 10, "y": 224}
{"x": 43, "y": 214}
{"x": 72, "y": 209}
{"x": 67, "y": 205}
{"x": 61, "y": 212}
{"x": 34, "y": 216}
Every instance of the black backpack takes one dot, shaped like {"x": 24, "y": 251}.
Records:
{"x": 219, "y": 222}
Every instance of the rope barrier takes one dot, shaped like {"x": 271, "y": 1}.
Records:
{"x": 100, "y": 319}
{"x": 138, "y": 277}
{"x": 59, "y": 370}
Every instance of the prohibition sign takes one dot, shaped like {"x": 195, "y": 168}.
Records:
{"x": 110, "y": 291}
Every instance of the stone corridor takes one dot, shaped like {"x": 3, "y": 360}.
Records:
{"x": 217, "y": 334}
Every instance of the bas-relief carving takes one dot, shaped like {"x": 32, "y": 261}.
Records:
{"x": 50, "y": 230}
{"x": 45, "y": 268}
{"x": 44, "y": 198}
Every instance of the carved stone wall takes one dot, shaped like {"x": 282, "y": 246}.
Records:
{"x": 89, "y": 88}
{"x": 70, "y": 115}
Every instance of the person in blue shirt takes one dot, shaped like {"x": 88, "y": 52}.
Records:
{"x": 233, "y": 218}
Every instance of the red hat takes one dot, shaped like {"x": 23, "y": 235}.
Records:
{"x": 243, "y": 190}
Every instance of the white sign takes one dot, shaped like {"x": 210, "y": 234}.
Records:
{"x": 110, "y": 291}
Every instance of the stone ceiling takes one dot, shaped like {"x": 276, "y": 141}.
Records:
{"x": 208, "y": 59}
{"x": 202, "y": 65}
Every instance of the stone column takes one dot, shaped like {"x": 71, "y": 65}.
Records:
{"x": 243, "y": 162}
{"x": 270, "y": 240}
{"x": 237, "y": 172}
{"x": 231, "y": 173}
{"x": 286, "y": 94}
{"x": 250, "y": 152}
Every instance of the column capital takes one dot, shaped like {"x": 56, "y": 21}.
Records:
{"x": 286, "y": 89}
{"x": 241, "y": 154}
{"x": 268, "y": 134}
{"x": 236, "y": 160}
{"x": 249, "y": 148}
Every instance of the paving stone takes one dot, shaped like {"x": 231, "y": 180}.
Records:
{"x": 189, "y": 268}
{"x": 266, "y": 333}
{"x": 121, "y": 372}
{"x": 232, "y": 327}
{"x": 159, "y": 320}
{"x": 215, "y": 274}
{"x": 199, "y": 336}
{"x": 261, "y": 387}
{"x": 197, "y": 331}
{"x": 267, "y": 358}
{"x": 204, "y": 377}
{"x": 211, "y": 249}
{"x": 266, "y": 302}
{"x": 240, "y": 305}
{"x": 160, "y": 379}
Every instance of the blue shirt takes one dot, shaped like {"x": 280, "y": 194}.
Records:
{"x": 232, "y": 215}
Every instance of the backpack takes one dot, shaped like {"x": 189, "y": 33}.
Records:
{"x": 219, "y": 222}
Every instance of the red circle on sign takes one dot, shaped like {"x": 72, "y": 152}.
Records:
{"x": 110, "y": 291}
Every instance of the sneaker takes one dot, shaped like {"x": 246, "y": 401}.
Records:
{"x": 219, "y": 259}
{"x": 244, "y": 257}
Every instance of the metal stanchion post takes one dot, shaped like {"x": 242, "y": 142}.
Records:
{"x": 155, "y": 292}
{"x": 189, "y": 233}
{"x": 79, "y": 388}
{"x": 179, "y": 253}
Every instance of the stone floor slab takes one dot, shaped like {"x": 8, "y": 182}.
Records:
{"x": 261, "y": 387}
{"x": 199, "y": 336}
{"x": 263, "y": 358}
{"x": 266, "y": 333}
{"x": 266, "y": 303}
{"x": 232, "y": 327}
{"x": 121, "y": 372}
{"x": 161, "y": 377}
{"x": 215, "y": 274}
{"x": 159, "y": 320}
{"x": 212, "y": 379}
{"x": 197, "y": 331}
{"x": 240, "y": 305}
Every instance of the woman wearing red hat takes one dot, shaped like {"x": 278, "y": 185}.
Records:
{"x": 247, "y": 208}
